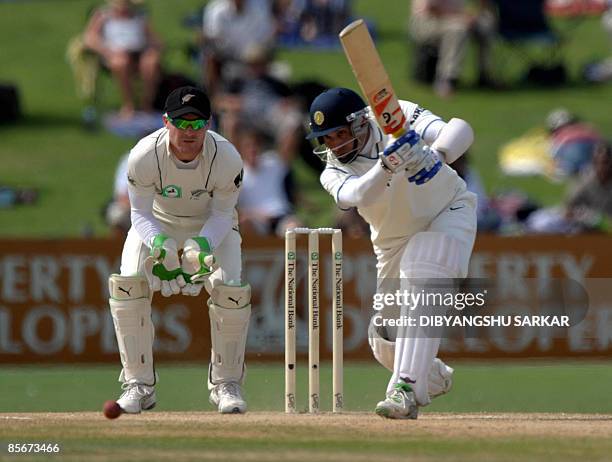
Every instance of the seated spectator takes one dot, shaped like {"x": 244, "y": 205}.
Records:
{"x": 229, "y": 28}
{"x": 121, "y": 34}
{"x": 572, "y": 142}
{"x": 287, "y": 15}
{"x": 310, "y": 22}
{"x": 589, "y": 206}
{"x": 591, "y": 201}
{"x": 10, "y": 196}
{"x": 265, "y": 101}
{"x": 514, "y": 209}
{"x": 488, "y": 218}
{"x": 322, "y": 20}
{"x": 264, "y": 204}
{"x": 447, "y": 25}
{"x": 117, "y": 212}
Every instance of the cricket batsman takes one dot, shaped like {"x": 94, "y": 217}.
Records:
{"x": 422, "y": 221}
{"x": 183, "y": 187}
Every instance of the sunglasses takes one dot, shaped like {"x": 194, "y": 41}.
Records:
{"x": 183, "y": 124}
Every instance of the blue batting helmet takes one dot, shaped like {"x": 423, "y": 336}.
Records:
{"x": 331, "y": 110}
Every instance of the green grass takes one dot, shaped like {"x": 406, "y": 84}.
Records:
{"x": 490, "y": 415}
{"x": 570, "y": 387}
{"x": 74, "y": 168}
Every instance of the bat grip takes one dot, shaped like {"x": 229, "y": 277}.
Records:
{"x": 399, "y": 132}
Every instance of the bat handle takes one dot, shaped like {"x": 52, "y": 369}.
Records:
{"x": 399, "y": 132}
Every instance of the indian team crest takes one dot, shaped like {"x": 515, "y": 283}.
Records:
{"x": 172, "y": 191}
{"x": 319, "y": 118}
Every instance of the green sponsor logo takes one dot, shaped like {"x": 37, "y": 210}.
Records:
{"x": 338, "y": 255}
{"x": 314, "y": 255}
{"x": 291, "y": 256}
{"x": 172, "y": 191}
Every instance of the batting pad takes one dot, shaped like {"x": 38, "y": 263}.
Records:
{"x": 229, "y": 308}
{"x": 130, "y": 307}
{"x": 428, "y": 256}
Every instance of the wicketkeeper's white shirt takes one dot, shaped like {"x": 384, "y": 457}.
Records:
{"x": 185, "y": 196}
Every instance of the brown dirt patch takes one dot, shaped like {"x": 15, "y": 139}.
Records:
{"x": 256, "y": 424}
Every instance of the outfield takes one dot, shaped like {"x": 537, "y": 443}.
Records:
{"x": 74, "y": 168}
{"x": 508, "y": 411}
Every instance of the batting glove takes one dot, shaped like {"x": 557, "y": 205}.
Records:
{"x": 409, "y": 153}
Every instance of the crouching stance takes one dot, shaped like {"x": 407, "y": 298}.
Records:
{"x": 422, "y": 222}
{"x": 183, "y": 185}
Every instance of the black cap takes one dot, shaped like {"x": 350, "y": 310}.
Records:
{"x": 330, "y": 110}
{"x": 187, "y": 100}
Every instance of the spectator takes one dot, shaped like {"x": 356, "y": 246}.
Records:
{"x": 121, "y": 34}
{"x": 446, "y": 25}
{"x": 265, "y": 198}
{"x": 589, "y": 206}
{"x": 591, "y": 201}
{"x": 321, "y": 20}
{"x": 487, "y": 217}
{"x": 572, "y": 142}
{"x": 10, "y": 196}
{"x": 229, "y": 28}
{"x": 265, "y": 101}
{"x": 287, "y": 15}
{"x": 117, "y": 212}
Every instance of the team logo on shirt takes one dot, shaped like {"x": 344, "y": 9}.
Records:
{"x": 319, "y": 117}
{"x": 172, "y": 191}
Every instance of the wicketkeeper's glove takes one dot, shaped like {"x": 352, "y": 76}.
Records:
{"x": 163, "y": 268}
{"x": 197, "y": 263}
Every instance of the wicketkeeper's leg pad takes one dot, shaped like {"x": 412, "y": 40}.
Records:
{"x": 130, "y": 306}
{"x": 229, "y": 308}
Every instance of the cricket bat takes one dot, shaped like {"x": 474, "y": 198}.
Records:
{"x": 372, "y": 77}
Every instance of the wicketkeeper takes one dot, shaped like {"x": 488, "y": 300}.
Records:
{"x": 422, "y": 221}
{"x": 183, "y": 186}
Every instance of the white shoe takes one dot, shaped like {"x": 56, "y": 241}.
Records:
{"x": 136, "y": 397}
{"x": 228, "y": 398}
{"x": 440, "y": 379}
{"x": 399, "y": 404}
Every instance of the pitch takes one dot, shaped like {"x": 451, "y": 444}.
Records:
{"x": 266, "y": 436}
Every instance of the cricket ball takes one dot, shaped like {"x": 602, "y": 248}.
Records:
{"x": 112, "y": 410}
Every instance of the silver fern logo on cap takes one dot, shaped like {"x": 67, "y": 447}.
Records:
{"x": 186, "y": 98}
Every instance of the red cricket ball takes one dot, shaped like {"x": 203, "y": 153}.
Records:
{"x": 111, "y": 409}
